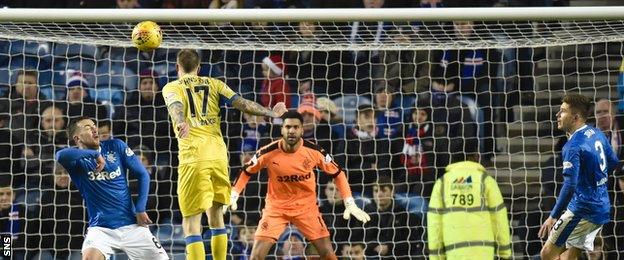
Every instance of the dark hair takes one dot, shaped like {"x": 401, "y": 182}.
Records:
{"x": 103, "y": 123}
{"x": 364, "y": 108}
{"x": 384, "y": 181}
{"x": 188, "y": 59}
{"x": 5, "y": 180}
{"x": 72, "y": 127}
{"x": 293, "y": 114}
{"x": 579, "y": 104}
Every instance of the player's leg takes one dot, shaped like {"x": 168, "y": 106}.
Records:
{"x": 572, "y": 253}
{"x": 221, "y": 189}
{"x": 271, "y": 226}
{"x": 99, "y": 243}
{"x": 551, "y": 251}
{"x": 324, "y": 248}
{"x": 139, "y": 243}
{"x": 559, "y": 235}
{"x": 581, "y": 239}
{"x": 194, "y": 197}
{"x": 313, "y": 227}
{"x": 92, "y": 254}
{"x": 218, "y": 233}
{"x": 261, "y": 247}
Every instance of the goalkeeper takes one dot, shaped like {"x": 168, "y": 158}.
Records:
{"x": 291, "y": 196}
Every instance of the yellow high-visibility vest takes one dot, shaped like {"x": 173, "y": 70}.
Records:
{"x": 467, "y": 218}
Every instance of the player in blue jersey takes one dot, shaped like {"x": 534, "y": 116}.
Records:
{"x": 583, "y": 204}
{"x": 98, "y": 169}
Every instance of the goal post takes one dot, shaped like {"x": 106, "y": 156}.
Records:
{"x": 484, "y": 81}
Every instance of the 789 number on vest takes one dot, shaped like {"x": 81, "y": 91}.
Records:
{"x": 463, "y": 200}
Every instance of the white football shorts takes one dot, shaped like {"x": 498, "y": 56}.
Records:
{"x": 134, "y": 240}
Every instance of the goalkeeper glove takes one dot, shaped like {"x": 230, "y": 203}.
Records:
{"x": 233, "y": 199}
{"x": 352, "y": 209}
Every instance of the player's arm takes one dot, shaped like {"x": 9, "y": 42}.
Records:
{"x": 71, "y": 158}
{"x": 245, "y": 105}
{"x": 571, "y": 163}
{"x": 175, "y": 107}
{"x": 254, "y": 108}
{"x": 138, "y": 171}
{"x": 329, "y": 167}
{"x": 252, "y": 167}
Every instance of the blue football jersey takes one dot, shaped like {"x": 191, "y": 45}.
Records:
{"x": 106, "y": 193}
{"x": 587, "y": 161}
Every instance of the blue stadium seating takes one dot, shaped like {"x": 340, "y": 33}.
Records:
{"x": 84, "y": 65}
{"x": 75, "y": 50}
{"x": 115, "y": 74}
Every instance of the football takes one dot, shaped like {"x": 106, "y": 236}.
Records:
{"x": 146, "y": 36}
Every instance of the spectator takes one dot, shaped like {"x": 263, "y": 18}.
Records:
{"x": 11, "y": 216}
{"x": 104, "y": 130}
{"x": 388, "y": 112}
{"x": 317, "y": 70}
{"x": 25, "y": 101}
{"x": 613, "y": 232}
{"x": 241, "y": 247}
{"x": 39, "y": 150}
{"x": 354, "y": 251}
{"x": 471, "y": 73}
{"x": 143, "y": 119}
{"x": 392, "y": 231}
{"x": 342, "y": 231}
{"x": 466, "y": 205}
{"x": 291, "y": 245}
{"x": 186, "y": 4}
{"x": 329, "y": 111}
{"x": 315, "y": 129}
{"x": 362, "y": 61}
{"x": 79, "y": 102}
{"x": 361, "y": 148}
{"x": 275, "y": 89}
{"x": 401, "y": 68}
{"x": 128, "y": 4}
{"x": 452, "y": 124}
{"x": 418, "y": 146}
{"x": 62, "y": 218}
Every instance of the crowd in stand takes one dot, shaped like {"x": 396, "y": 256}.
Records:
{"x": 393, "y": 119}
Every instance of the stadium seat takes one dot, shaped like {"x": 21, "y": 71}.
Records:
{"x": 83, "y": 65}
{"x": 350, "y": 104}
{"x": 28, "y": 47}
{"x": 75, "y": 50}
{"x": 17, "y": 62}
{"x": 112, "y": 94}
{"x": 115, "y": 74}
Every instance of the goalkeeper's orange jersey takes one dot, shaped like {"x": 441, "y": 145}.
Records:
{"x": 292, "y": 181}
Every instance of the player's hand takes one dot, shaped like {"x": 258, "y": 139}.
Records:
{"x": 183, "y": 129}
{"x": 100, "y": 163}
{"x": 546, "y": 227}
{"x": 352, "y": 209}
{"x": 279, "y": 109}
{"x": 143, "y": 219}
{"x": 233, "y": 202}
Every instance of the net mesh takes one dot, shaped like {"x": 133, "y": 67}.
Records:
{"x": 394, "y": 100}
{"x": 329, "y": 35}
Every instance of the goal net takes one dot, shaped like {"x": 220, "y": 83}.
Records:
{"x": 394, "y": 95}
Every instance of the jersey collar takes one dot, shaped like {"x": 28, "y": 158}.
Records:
{"x": 577, "y": 130}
